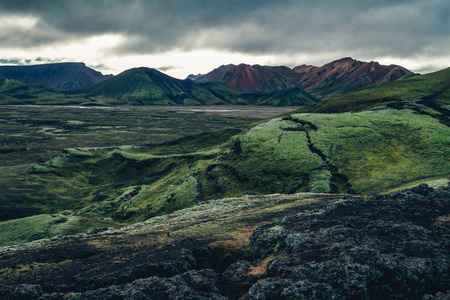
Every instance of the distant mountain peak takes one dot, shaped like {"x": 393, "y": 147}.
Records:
{"x": 194, "y": 77}
{"x": 217, "y": 74}
{"x": 305, "y": 69}
{"x": 146, "y": 86}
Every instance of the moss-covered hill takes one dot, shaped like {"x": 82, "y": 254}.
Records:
{"x": 346, "y": 153}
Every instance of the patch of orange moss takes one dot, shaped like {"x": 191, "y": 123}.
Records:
{"x": 261, "y": 268}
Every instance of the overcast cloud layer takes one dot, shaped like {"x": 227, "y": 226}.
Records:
{"x": 412, "y": 32}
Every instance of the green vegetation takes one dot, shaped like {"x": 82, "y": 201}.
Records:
{"x": 27, "y": 229}
{"x": 9, "y": 84}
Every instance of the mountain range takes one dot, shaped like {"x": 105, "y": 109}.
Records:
{"x": 345, "y": 75}
{"x": 333, "y": 79}
{"x": 74, "y": 83}
{"x": 145, "y": 86}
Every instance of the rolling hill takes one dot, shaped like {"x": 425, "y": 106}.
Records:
{"x": 195, "y": 217}
{"x": 62, "y": 76}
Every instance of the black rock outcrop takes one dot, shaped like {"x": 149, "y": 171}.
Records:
{"x": 393, "y": 246}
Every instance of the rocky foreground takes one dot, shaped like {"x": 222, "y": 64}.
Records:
{"x": 393, "y": 246}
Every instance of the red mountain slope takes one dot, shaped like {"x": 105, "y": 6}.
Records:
{"x": 345, "y": 75}
{"x": 256, "y": 77}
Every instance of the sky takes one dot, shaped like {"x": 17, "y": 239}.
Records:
{"x": 182, "y": 37}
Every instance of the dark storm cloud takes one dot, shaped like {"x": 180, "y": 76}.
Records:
{"x": 396, "y": 28}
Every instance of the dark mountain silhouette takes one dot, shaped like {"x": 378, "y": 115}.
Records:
{"x": 62, "y": 76}
{"x": 216, "y": 75}
{"x": 345, "y": 75}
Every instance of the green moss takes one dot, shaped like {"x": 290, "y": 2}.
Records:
{"x": 28, "y": 229}
{"x": 320, "y": 181}
{"x": 184, "y": 193}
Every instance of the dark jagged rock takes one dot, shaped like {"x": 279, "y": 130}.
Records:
{"x": 21, "y": 291}
{"x": 392, "y": 246}
{"x": 189, "y": 285}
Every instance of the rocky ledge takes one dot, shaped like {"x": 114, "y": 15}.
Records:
{"x": 392, "y": 246}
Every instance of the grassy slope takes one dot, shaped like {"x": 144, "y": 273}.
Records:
{"x": 414, "y": 88}
{"x": 376, "y": 149}
{"x": 305, "y": 152}
{"x": 37, "y": 95}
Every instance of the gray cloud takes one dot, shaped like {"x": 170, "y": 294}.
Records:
{"x": 38, "y": 60}
{"x": 167, "y": 68}
{"x": 403, "y": 28}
